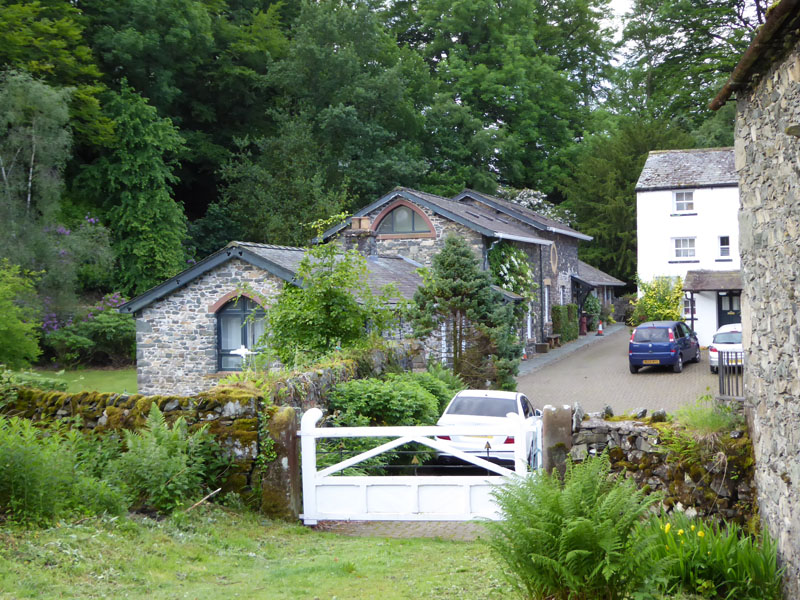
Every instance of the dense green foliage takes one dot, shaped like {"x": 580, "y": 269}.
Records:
{"x": 660, "y": 300}
{"x": 18, "y": 316}
{"x": 713, "y": 560}
{"x": 333, "y": 308}
{"x": 574, "y": 538}
{"x": 396, "y": 401}
{"x": 592, "y": 309}
{"x": 458, "y": 295}
{"x": 512, "y": 271}
{"x": 565, "y": 321}
{"x": 42, "y": 477}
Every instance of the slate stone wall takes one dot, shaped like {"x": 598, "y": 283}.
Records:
{"x": 176, "y": 337}
{"x": 768, "y": 162}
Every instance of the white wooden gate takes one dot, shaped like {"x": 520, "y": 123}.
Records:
{"x": 406, "y": 498}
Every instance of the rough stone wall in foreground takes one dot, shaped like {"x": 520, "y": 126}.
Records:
{"x": 768, "y": 162}
{"x": 176, "y": 337}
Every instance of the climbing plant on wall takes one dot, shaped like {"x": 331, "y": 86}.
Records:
{"x": 512, "y": 271}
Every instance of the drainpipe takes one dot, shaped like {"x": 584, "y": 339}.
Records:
{"x": 541, "y": 294}
{"x": 486, "y": 254}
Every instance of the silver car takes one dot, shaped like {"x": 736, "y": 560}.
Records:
{"x": 728, "y": 340}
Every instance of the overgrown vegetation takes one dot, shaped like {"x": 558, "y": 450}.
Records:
{"x": 565, "y": 321}
{"x": 659, "y": 300}
{"x": 54, "y": 472}
{"x": 592, "y": 535}
{"x": 18, "y": 316}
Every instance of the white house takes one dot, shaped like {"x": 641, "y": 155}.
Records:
{"x": 687, "y": 205}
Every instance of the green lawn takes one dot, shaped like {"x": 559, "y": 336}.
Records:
{"x": 212, "y": 553}
{"x": 95, "y": 380}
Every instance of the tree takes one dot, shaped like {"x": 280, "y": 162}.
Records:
{"x": 134, "y": 177}
{"x": 659, "y": 300}
{"x": 600, "y": 192}
{"x": 681, "y": 51}
{"x": 333, "y": 307}
{"x": 458, "y": 296}
{"x": 35, "y": 142}
{"x": 19, "y": 325}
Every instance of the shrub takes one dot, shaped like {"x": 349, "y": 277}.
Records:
{"x": 19, "y": 344}
{"x": 574, "y": 539}
{"x": 565, "y": 321}
{"x": 11, "y": 381}
{"x": 163, "y": 466}
{"x": 435, "y": 386}
{"x": 714, "y": 560}
{"x": 592, "y": 308}
{"x": 42, "y": 477}
{"x": 660, "y": 300}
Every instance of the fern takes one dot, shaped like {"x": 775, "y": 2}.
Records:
{"x": 575, "y": 539}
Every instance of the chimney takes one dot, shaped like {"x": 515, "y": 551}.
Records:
{"x": 360, "y": 237}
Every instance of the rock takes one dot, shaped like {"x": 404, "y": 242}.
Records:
{"x": 659, "y": 416}
{"x": 736, "y": 434}
{"x": 171, "y": 405}
{"x": 103, "y": 419}
{"x": 577, "y": 416}
{"x": 579, "y": 452}
{"x": 607, "y": 412}
{"x": 640, "y": 413}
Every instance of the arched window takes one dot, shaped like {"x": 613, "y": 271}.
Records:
{"x": 237, "y": 333}
{"x": 403, "y": 219}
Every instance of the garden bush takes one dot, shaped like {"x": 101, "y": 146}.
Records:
{"x": 163, "y": 466}
{"x": 43, "y": 478}
{"x": 11, "y": 381}
{"x": 441, "y": 389}
{"x": 100, "y": 336}
{"x": 592, "y": 308}
{"x": 565, "y": 321}
{"x": 576, "y": 538}
{"x": 713, "y": 560}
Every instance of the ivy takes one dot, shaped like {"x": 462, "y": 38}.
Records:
{"x": 512, "y": 271}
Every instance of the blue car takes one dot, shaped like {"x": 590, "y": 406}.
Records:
{"x": 657, "y": 343}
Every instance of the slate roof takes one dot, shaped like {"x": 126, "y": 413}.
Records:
{"x": 712, "y": 281}
{"x": 681, "y": 169}
{"x": 596, "y": 277}
{"x": 523, "y": 213}
{"x": 283, "y": 262}
{"x": 476, "y": 218}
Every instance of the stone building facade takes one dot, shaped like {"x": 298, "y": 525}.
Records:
{"x": 176, "y": 336}
{"x": 767, "y": 150}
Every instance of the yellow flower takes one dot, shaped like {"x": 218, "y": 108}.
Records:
{"x": 692, "y": 527}
{"x": 680, "y": 531}
{"x": 701, "y": 533}
{"x": 681, "y": 542}
{"x": 666, "y": 527}
{"x": 667, "y": 547}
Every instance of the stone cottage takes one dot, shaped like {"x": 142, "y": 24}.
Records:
{"x": 414, "y": 224}
{"x": 766, "y": 85}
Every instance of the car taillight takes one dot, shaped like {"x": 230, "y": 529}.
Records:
{"x": 509, "y": 440}
{"x": 671, "y": 336}
{"x": 633, "y": 334}
{"x": 443, "y": 437}
{"x": 712, "y": 349}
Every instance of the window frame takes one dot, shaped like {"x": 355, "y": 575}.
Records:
{"x": 724, "y": 249}
{"x": 692, "y": 248}
{"x": 680, "y": 196}
{"x": 417, "y": 214}
{"x": 244, "y": 307}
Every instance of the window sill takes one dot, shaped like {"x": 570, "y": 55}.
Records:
{"x": 677, "y": 262}
{"x": 683, "y": 214}
{"x": 724, "y": 260}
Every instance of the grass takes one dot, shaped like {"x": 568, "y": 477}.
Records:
{"x": 212, "y": 553}
{"x": 95, "y": 380}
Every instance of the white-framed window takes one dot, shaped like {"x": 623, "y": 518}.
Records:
{"x": 240, "y": 325}
{"x": 689, "y": 308}
{"x": 724, "y": 246}
{"x": 547, "y": 304}
{"x": 684, "y": 247}
{"x": 684, "y": 201}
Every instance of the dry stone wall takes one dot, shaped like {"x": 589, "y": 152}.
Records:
{"x": 768, "y": 162}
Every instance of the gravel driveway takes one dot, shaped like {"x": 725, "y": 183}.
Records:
{"x": 597, "y": 375}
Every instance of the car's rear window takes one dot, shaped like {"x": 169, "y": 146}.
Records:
{"x": 728, "y": 337}
{"x": 484, "y": 407}
{"x": 651, "y": 334}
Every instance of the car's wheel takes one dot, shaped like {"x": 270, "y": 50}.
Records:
{"x": 634, "y": 369}
{"x": 696, "y": 358}
{"x": 678, "y": 366}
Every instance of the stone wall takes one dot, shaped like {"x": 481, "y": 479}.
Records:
{"x": 176, "y": 336}
{"x": 768, "y": 161}
{"x": 714, "y": 486}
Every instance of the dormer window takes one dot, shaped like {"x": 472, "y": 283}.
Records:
{"x": 684, "y": 202}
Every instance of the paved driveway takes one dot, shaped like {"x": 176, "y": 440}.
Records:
{"x": 597, "y": 374}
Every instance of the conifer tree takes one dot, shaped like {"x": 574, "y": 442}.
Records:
{"x": 458, "y": 296}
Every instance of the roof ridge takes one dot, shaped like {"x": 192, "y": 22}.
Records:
{"x": 686, "y": 150}
{"x": 271, "y": 246}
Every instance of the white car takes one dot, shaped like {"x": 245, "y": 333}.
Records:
{"x": 489, "y": 407}
{"x": 728, "y": 339}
